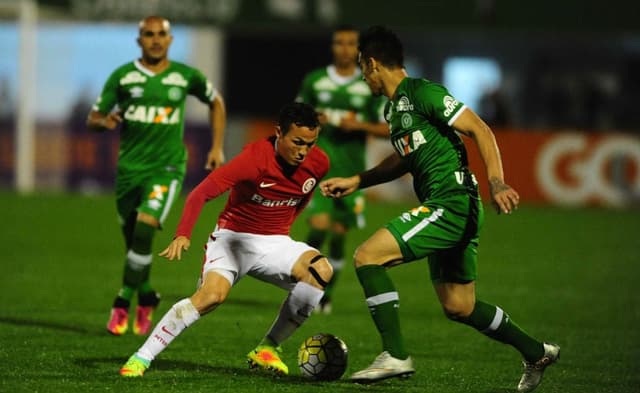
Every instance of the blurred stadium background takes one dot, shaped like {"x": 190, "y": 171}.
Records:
{"x": 557, "y": 81}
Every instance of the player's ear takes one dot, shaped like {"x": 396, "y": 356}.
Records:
{"x": 278, "y": 132}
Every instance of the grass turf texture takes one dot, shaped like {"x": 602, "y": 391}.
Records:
{"x": 569, "y": 276}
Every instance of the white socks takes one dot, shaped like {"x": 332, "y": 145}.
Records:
{"x": 182, "y": 315}
{"x": 302, "y": 299}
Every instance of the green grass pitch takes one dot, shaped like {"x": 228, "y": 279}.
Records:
{"x": 566, "y": 275}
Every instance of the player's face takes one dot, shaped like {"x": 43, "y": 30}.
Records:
{"x": 155, "y": 39}
{"x": 345, "y": 48}
{"x": 294, "y": 146}
{"x": 371, "y": 76}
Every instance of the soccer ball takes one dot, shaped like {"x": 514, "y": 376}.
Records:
{"x": 323, "y": 357}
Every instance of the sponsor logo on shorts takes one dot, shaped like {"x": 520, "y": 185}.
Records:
{"x": 407, "y": 216}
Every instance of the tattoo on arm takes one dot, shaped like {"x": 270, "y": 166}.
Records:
{"x": 496, "y": 185}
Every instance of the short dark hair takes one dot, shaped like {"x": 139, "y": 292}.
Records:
{"x": 383, "y": 45}
{"x": 345, "y": 27}
{"x": 298, "y": 113}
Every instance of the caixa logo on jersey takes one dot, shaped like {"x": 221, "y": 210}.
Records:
{"x": 574, "y": 169}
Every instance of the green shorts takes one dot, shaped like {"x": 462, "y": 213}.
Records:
{"x": 152, "y": 193}
{"x": 348, "y": 210}
{"x": 444, "y": 230}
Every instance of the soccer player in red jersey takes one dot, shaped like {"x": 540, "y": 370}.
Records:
{"x": 271, "y": 181}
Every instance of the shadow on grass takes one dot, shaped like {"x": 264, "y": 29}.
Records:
{"x": 173, "y": 367}
{"x": 51, "y": 325}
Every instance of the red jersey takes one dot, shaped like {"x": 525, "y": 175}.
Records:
{"x": 266, "y": 195}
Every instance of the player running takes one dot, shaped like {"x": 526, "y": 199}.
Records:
{"x": 424, "y": 119}
{"x": 271, "y": 181}
{"x": 147, "y": 96}
{"x": 348, "y": 113}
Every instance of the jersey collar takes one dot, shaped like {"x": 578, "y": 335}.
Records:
{"x": 339, "y": 79}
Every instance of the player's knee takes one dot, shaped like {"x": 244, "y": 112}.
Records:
{"x": 363, "y": 256}
{"x": 457, "y": 310}
{"x": 319, "y": 272}
{"x": 320, "y": 221}
{"x": 205, "y": 300}
{"x": 339, "y": 228}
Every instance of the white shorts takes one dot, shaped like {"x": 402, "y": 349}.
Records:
{"x": 268, "y": 258}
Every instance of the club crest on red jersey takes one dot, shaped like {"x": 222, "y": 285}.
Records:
{"x": 308, "y": 185}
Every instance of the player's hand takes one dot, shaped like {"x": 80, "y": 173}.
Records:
{"x": 322, "y": 118}
{"x": 503, "y": 198}
{"x": 111, "y": 121}
{"x": 215, "y": 158}
{"x": 349, "y": 123}
{"x": 337, "y": 187}
{"x": 174, "y": 251}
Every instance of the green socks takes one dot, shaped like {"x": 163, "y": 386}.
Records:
{"x": 316, "y": 237}
{"x": 383, "y": 302}
{"x": 336, "y": 255}
{"x": 138, "y": 262}
{"x": 495, "y": 323}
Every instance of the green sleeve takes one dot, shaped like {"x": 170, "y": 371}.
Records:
{"x": 437, "y": 103}
{"x": 108, "y": 98}
{"x": 201, "y": 87}
{"x": 306, "y": 92}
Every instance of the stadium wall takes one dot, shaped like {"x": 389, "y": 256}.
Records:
{"x": 555, "y": 167}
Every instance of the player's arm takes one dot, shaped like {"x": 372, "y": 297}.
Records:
{"x": 504, "y": 198}
{"x": 389, "y": 169}
{"x": 216, "y": 183}
{"x": 102, "y": 117}
{"x": 98, "y": 121}
{"x": 218, "y": 121}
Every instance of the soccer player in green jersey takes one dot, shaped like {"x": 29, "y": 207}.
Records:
{"x": 147, "y": 98}
{"x": 348, "y": 114}
{"x": 425, "y": 120}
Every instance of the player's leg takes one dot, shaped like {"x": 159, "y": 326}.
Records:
{"x": 301, "y": 269}
{"x": 347, "y": 213}
{"x": 319, "y": 220}
{"x": 213, "y": 291}
{"x": 336, "y": 259}
{"x": 453, "y": 273}
{"x": 460, "y": 304}
{"x": 127, "y": 199}
{"x": 372, "y": 259}
{"x": 159, "y": 194}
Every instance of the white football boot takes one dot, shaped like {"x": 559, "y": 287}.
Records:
{"x": 383, "y": 367}
{"x": 533, "y": 372}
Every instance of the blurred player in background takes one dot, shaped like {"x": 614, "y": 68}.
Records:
{"x": 271, "y": 181}
{"x": 348, "y": 114}
{"x": 147, "y": 97}
{"x": 424, "y": 120}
